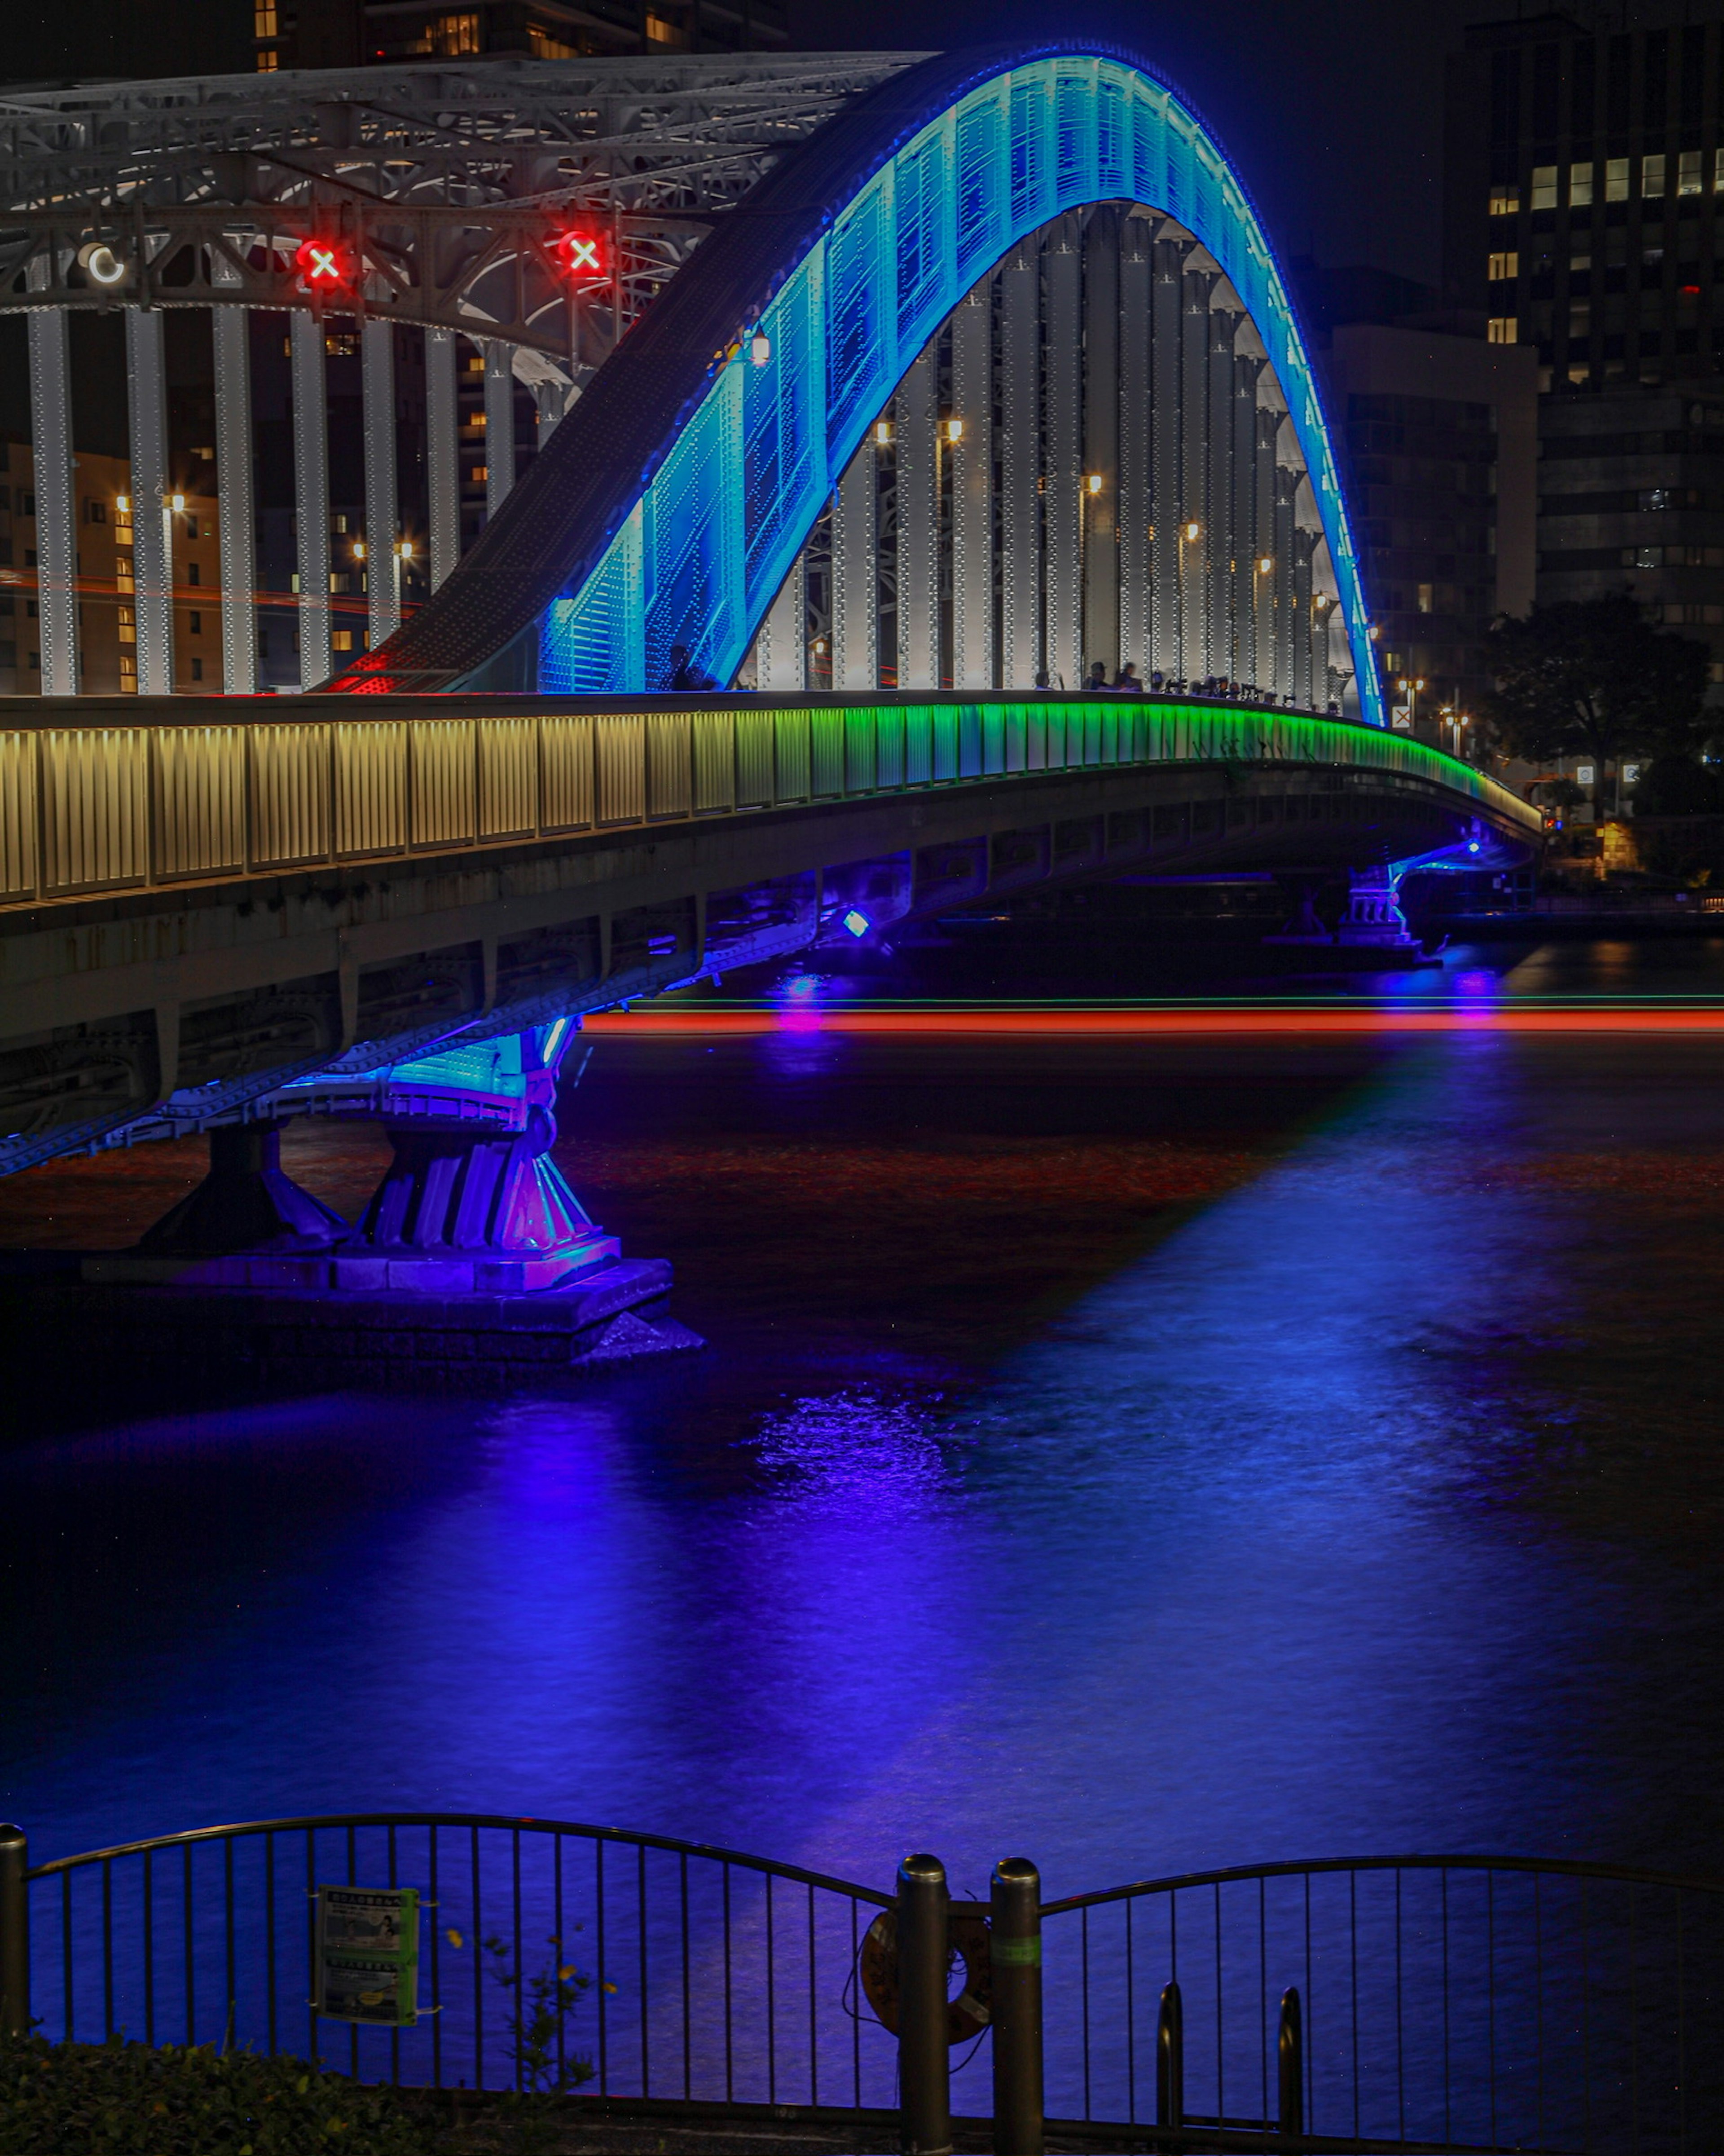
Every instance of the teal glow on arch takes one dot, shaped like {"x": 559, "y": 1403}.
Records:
{"x": 701, "y": 557}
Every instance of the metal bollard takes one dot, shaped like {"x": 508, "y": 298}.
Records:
{"x": 1170, "y": 2058}
{"x": 14, "y": 1934}
{"x": 924, "y": 2060}
{"x": 1290, "y": 2065}
{"x": 1015, "y": 1951}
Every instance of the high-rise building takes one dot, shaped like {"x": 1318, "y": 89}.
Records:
{"x": 1583, "y": 181}
{"x": 81, "y": 40}
{"x": 1440, "y": 435}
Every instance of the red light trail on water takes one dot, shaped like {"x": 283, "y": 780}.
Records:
{"x": 1160, "y": 1024}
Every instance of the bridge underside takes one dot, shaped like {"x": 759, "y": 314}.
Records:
{"x": 161, "y": 1010}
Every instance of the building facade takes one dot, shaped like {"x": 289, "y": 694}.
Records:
{"x": 49, "y": 41}
{"x": 105, "y": 583}
{"x": 1582, "y": 213}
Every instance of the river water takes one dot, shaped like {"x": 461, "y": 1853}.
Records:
{"x": 1143, "y": 1453}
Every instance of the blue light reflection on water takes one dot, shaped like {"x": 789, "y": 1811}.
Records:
{"x": 1223, "y": 1564}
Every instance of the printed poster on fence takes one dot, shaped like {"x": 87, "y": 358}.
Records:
{"x": 368, "y": 1954}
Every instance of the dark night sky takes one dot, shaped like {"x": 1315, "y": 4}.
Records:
{"x": 1331, "y": 110}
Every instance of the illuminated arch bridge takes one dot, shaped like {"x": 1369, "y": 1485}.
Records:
{"x": 993, "y": 376}
{"x": 925, "y": 383}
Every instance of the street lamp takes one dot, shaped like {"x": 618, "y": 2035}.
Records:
{"x": 1410, "y": 690}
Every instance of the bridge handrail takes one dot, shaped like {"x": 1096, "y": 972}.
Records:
{"x": 126, "y": 795}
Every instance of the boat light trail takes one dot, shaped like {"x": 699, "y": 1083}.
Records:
{"x": 1166, "y": 1021}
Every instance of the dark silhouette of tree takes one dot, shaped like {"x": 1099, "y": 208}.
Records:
{"x": 1592, "y": 678}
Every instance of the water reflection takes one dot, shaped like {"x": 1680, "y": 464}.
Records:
{"x": 1366, "y": 1501}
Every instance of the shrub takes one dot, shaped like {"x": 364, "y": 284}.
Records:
{"x": 137, "y": 2099}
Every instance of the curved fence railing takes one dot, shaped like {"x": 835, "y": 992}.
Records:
{"x": 1460, "y": 2003}
{"x": 552, "y": 1955}
{"x": 141, "y": 798}
{"x": 1446, "y": 2002}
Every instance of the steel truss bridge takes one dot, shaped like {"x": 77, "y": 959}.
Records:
{"x": 890, "y": 391}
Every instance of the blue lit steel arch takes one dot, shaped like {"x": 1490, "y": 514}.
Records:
{"x": 670, "y": 503}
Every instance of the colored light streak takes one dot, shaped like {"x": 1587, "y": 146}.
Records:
{"x": 1170, "y": 1023}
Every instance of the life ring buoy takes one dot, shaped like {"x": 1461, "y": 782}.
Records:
{"x": 967, "y": 1936}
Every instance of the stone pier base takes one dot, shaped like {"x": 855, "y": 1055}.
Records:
{"x": 191, "y": 1339}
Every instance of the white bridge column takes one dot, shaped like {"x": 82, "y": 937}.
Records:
{"x": 972, "y": 490}
{"x": 1136, "y": 637}
{"x": 310, "y": 491}
{"x": 782, "y": 651}
{"x": 382, "y": 515}
{"x": 1287, "y": 577}
{"x": 918, "y": 403}
{"x": 1166, "y": 499}
{"x": 856, "y": 573}
{"x": 442, "y": 470}
{"x": 1021, "y": 660}
{"x": 152, "y": 520}
{"x": 498, "y": 425}
{"x": 1246, "y": 369}
{"x": 236, "y": 512}
{"x": 1063, "y": 530}
{"x": 56, "y": 521}
{"x": 1193, "y": 661}
{"x": 1217, "y": 584}
{"x": 1099, "y": 513}
{"x": 1268, "y": 424}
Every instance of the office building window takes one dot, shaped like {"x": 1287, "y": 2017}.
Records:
{"x": 1505, "y": 201}
{"x": 1580, "y": 184}
{"x": 1507, "y": 265}
{"x": 1500, "y": 329}
{"x": 1616, "y": 179}
{"x": 1688, "y": 174}
{"x": 1544, "y": 186}
{"x": 1652, "y": 175}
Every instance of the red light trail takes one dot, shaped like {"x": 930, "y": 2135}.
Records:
{"x": 1164, "y": 1025}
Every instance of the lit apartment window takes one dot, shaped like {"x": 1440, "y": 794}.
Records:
{"x": 1688, "y": 174}
{"x": 1427, "y": 598}
{"x": 1505, "y": 201}
{"x": 343, "y": 640}
{"x": 1505, "y": 265}
{"x": 265, "y": 22}
{"x": 1616, "y": 179}
{"x": 1652, "y": 175}
{"x": 544, "y": 47}
{"x": 1500, "y": 329}
{"x": 662, "y": 32}
{"x": 450, "y": 37}
{"x": 1580, "y": 184}
{"x": 1544, "y": 186}
{"x": 268, "y": 62}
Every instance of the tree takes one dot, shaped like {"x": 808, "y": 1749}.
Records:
{"x": 1592, "y": 678}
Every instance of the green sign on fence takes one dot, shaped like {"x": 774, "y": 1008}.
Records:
{"x": 368, "y": 1954}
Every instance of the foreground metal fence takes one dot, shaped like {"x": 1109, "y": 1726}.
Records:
{"x": 1463, "y": 2003}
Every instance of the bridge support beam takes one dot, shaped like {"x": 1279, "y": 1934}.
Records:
{"x": 1374, "y": 917}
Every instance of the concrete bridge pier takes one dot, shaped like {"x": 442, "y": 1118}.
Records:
{"x": 473, "y": 1260}
{"x": 1373, "y": 919}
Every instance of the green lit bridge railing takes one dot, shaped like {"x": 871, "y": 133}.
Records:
{"x": 132, "y": 795}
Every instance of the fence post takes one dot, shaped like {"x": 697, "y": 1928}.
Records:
{"x": 1015, "y": 1950}
{"x": 1290, "y": 2065}
{"x": 14, "y": 1934}
{"x": 924, "y": 2060}
{"x": 1170, "y": 2058}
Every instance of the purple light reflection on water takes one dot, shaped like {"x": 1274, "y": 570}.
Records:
{"x": 1253, "y": 1550}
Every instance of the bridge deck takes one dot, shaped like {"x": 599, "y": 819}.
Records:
{"x": 201, "y": 902}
